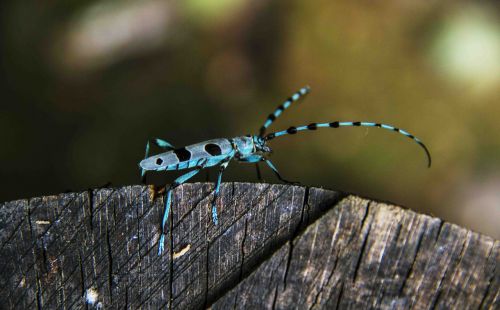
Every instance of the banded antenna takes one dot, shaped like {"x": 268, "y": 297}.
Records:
{"x": 285, "y": 105}
{"x": 313, "y": 126}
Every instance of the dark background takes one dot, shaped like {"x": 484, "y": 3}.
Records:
{"x": 84, "y": 84}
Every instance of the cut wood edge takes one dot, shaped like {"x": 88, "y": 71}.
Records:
{"x": 105, "y": 240}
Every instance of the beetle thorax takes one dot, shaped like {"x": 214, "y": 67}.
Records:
{"x": 244, "y": 146}
{"x": 260, "y": 145}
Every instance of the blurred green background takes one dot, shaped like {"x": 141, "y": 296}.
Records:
{"x": 84, "y": 84}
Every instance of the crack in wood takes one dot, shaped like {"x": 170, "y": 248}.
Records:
{"x": 320, "y": 291}
{"x": 207, "y": 268}
{"x": 364, "y": 242}
{"x": 441, "y": 225}
{"x": 38, "y": 283}
{"x": 82, "y": 273}
{"x": 339, "y": 298}
{"x": 439, "y": 289}
{"x": 275, "y": 298}
{"x": 126, "y": 297}
{"x": 38, "y": 289}
{"x": 240, "y": 277}
{"x": 139, "y": 255}
{"x": 94, "y": 246}
{"x": 490, "y": 279}
{"x": 379, "y": 293}
{"x": 171, "y": 263}
{"x": 294, "y": 235}
{"x": 288, "y": 262}
{"x": 110, "y": 264}
{"x": 412, "y": 266}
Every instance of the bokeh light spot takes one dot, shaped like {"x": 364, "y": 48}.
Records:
{"x": 107, "y": 32}
{"x": 467, "y": 49}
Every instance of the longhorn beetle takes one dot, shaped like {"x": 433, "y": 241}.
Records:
{"x": 248, "y": 149}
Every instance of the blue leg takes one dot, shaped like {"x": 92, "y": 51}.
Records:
{"x": 161, "y": 144}
{"x": 270, "y": 164}
{"x": 168, "y": 202}
{"x": 259, "y": 175}
{"x": 223, "y": 167}
{"x": 252, "y": 159}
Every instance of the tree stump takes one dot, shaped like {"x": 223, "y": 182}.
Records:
{"x": 276, "y": 246}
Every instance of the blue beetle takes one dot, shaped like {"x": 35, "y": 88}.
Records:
{"x": 219, "y": 152}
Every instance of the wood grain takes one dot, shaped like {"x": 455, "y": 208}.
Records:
{"x": 276, "y": 246}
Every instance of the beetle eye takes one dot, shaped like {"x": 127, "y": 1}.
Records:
{"x": 159, "y": 161}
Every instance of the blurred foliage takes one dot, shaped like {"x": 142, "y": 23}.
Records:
{"x": 85, "y": 84}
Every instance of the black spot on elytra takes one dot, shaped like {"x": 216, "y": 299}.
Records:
{"x": 213, "y": 149}
{"x": 182, "y": 154}
{"x": 159, "y": 161}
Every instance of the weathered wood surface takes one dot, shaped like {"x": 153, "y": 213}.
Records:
{"x": 276, "y": 246}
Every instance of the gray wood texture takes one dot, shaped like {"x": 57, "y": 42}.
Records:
{"x": 276, "y": 246}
